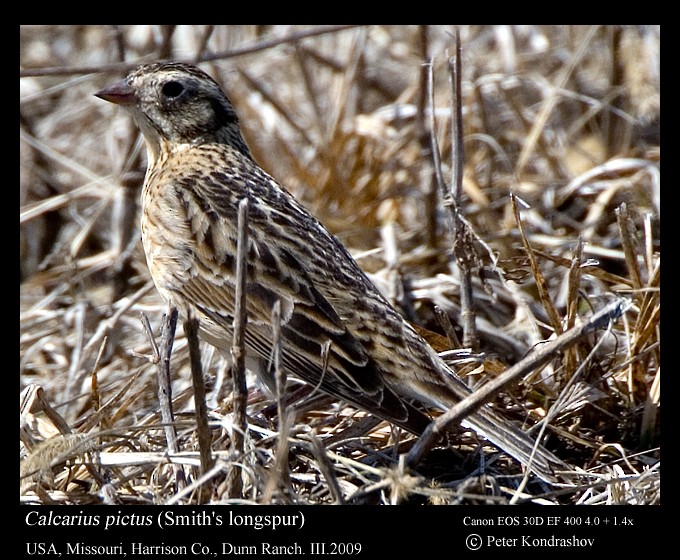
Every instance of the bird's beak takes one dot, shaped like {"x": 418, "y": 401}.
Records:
{"x": 119, "y": 93}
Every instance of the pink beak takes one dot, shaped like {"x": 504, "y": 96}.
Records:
{"x": 119, "y": 93}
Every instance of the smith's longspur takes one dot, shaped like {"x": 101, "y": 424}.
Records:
{"x": 338, "y": 331}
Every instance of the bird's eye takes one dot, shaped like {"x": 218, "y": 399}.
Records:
{"x": 172, "y": 89}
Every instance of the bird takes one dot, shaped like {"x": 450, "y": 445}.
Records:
{"x": 338, "y": 332}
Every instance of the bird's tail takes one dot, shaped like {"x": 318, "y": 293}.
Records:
{"x": 518, "y": 444}
{"x": 500, "y": 431}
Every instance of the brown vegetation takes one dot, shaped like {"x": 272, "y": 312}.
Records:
{"x": 565, "y": 119}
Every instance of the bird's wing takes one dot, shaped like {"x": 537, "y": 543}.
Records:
{"x": 326, "y": 326}
{"x": 309, "y": 350}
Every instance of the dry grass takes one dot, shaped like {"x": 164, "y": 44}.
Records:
{"x": 565, "y": 118}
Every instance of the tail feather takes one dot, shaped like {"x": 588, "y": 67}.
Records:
{"x": 518, "y": 444}
{"x": 497, "y": 430}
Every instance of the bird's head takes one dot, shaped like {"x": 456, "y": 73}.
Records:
{"x": 177, "y": 103}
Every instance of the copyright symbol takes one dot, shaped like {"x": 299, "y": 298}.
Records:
{"x": 473, "y": 542}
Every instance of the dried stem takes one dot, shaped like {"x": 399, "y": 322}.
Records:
{"x": 168, "y": 327}
{"x": 425, "y": 134}
{"x": 628, "y": 241}
{"x": 461, "y": 247}
{"x": 202, "y": 425}
{"x": 541, "y": 284}
{"x": 231, "y": 53}
{"x": 164, "y": 351}
{"x": 238, "y": 351}
{"x": 538, "y": 357}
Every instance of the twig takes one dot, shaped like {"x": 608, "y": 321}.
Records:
{"x": 202, "y": 426}
{"x": 232, "y": 53}
{"x": 539, "y": 356}
{"x": 434, "y": 144}
{"x": 461, "y": 247}
{"x": 95, "y": 395}
{"x": 278, "y": 482}
{"x": 573, "y": 285}
{"x": 457, "y": 151}
{"x": 168, "y": 327}
{"x": 238, "y": 352}
{"x": 162, "y": 353}
{"x": 617, "y": 129}
{"x": 541, "y": 284}
{"x": 445, "y": 324}
{"x": 627, "y": 230}
{"x": 425, "y": 138}
{"x": 279, "y": 372}
{"x": 280, "y": 475}
{"x": 326, "y": 468}
{"x": 463, "y": 250}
